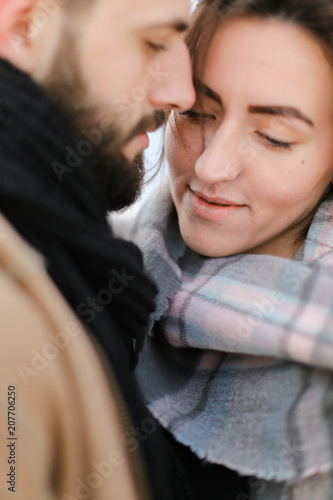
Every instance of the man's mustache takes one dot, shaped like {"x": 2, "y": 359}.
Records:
{"x": 148, "y": 123}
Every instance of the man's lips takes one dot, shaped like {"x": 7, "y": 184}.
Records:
{"x": 211, "y": 208}
{"x": 144, "y": 139}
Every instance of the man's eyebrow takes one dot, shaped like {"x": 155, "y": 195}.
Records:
{"x": 176, "y": 25}
{"x": 207, "y": 91}
{"x": 285, "y": 111}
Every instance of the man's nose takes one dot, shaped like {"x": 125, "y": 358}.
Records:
{"x": 175, "y": 88}
{"x": 220, "y": 160}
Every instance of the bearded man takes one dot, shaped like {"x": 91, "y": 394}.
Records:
{"x": 81, "y": 84}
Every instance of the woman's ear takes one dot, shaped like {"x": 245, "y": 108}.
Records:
{"x": 15, "y": 24}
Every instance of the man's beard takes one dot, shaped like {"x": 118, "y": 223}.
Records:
{"x": 119, "y": 178}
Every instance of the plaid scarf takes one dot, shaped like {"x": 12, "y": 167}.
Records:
{"x": 238, "y": 364}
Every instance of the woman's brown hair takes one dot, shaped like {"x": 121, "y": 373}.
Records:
{"x": 314, "y": 16}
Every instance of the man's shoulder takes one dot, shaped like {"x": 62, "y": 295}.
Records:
{"x": 50, "y": 365}
{"x": 31, "y": 305}
{"x": 20, "y": 266}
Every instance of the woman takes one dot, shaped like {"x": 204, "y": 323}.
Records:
{"x": 239, "y": 364}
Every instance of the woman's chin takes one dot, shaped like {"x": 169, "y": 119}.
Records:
{"x": 204, "y": 245}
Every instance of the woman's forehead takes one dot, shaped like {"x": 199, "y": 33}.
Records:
{"x": 268, "y": 60}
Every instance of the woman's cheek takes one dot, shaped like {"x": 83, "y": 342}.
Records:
{"x": 183, "y": 146}
{"x": 177, "y": 155}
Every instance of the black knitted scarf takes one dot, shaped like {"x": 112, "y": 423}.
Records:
{"x": 66, "y": 222}
{"x": 100, "y": 276}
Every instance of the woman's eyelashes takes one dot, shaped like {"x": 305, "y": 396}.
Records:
{"x": 274, "y": 143}
{"x": 201, "y": 117}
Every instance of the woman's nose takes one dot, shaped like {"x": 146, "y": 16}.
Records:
{"x": 220, "y": 160}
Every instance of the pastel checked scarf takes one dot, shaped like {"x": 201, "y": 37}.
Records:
{"x": 239, "y": 362}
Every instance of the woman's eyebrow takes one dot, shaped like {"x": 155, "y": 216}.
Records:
{"x": 285, "y": 111}
{"x": 207, "y": 91}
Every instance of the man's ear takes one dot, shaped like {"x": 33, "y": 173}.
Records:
{"x": 15, "y": 21}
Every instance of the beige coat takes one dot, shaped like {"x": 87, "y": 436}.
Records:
{"x": 62, "y": 437}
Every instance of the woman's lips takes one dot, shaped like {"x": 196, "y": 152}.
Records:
{"x": 211, "y": 208}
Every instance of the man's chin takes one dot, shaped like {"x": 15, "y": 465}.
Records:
{"x": 120, "y": 180}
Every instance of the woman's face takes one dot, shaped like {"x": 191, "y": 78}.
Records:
{"x": 249, "y": 163}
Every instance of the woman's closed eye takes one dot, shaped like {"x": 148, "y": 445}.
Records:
{"x": 274, "y": 143}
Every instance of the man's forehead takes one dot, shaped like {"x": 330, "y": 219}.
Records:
{"x": 160, "y": 14}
